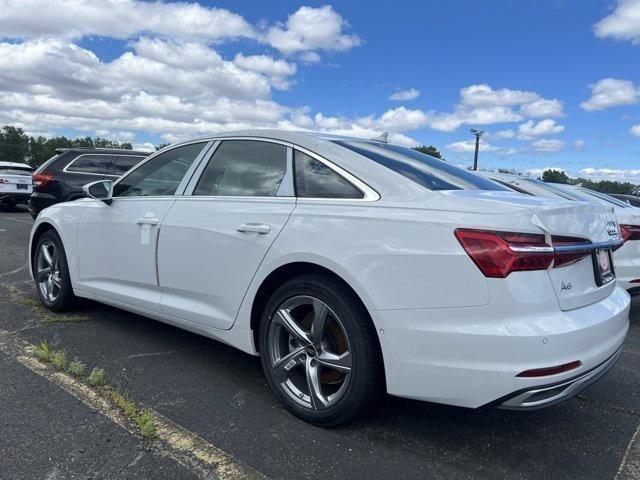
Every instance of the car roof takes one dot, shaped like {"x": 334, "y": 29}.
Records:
{"x": 103, "y": 150}
{"x": 15, "y": 165}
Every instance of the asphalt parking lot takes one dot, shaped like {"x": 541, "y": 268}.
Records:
{"x": 217, "y": 396}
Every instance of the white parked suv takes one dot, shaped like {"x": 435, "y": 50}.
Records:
{"x": 627, "y": 257}
{"x": 351, "y": 267}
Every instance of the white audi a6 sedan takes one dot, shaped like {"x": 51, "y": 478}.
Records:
{"x": 351, "y": 267}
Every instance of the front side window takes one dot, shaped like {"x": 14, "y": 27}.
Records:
{"x": 98, "y": 164}
{"x": 244, "y": 168}
{"x": 123, "y": 163}
{"x": 161, "y": 175}
{"x": 430, "y": 172}
{"x": 315, "y": 180}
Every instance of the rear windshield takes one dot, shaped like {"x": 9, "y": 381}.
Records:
{"x": 606, "y": 198}
{"x": 425, "y": 170}
{"x": 16, "y": 170}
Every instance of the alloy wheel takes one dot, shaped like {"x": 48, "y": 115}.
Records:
{"x": 48, "y": 276}
{"x": 310, "y": 353}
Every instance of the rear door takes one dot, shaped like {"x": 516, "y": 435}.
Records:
{"x": 214, "y": 238}
{"x": 117, "y": 242}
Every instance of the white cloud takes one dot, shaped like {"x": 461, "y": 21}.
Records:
{"x": 121, "y": 19}
{"x": 310, "y": 58}
{"x": 623, "y": 23}
{"x": 543, "y": 108}
{"x": 504, "y": 134}
{"x": 468, "y": 146}
{"x": 277, "y": 70}
{"x": 531, "y": 129}
{"x": 483, "y": 95}
{"x": 635, "y": 130}
{"x": 401, "y": 95}
{"x": 312, "y": 29}
{"x": 578, "y": 144}
{"x": 622, "y": 175}
{"x": 611, "y": 92}
{"x": 547, "y": 145}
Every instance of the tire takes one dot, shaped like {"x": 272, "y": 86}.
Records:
{"x": 342, "y": 359}
{"x": 57, "y": 277}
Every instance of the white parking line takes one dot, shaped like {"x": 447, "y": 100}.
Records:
{"x": 188, "y": 449}
{"x": 630, "y": 466}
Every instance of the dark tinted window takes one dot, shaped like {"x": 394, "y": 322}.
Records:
{"x": 316, "y": 180}
{"x": 161, "y": 175}
{"x": 123, "y": 163}
{"x": 16, "y": 170}
{"x": 244, "y": 168}
{"x": 90, "y": 163}
{"x": 423, "y": 169}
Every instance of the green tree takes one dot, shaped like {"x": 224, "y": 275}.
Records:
{"x": 555, "y": 176}
{"x": 14, "y": 145}
{"x": 430, "y": 150}
{"x": 161, "y": 146}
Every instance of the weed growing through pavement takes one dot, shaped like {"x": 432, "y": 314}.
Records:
{"x": 43, "y": 351}
{"x": 97, "y": 379}
{"x": 77, "y": 368}
{"x": 59, "y": 359}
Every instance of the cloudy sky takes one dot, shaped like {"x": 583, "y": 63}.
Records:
{"x": 555, "y": 83}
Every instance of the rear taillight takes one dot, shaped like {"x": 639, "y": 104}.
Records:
{"x": 3, "y": 180}
{"x": 497, "y": 254}
{"x": 41, "y": 179}
{"x": 564, "y": 258}
{"x": 630, "y": 232}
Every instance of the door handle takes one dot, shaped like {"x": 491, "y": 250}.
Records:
{"x": 260, "y": 228}
{"x": 148, "y": 221}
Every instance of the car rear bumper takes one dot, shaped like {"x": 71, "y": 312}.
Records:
{"x": 471, "y": 357}
{"x": 17, "y": 197}
{"x": 551, "y": 394}
{"x": 39, "y": 201}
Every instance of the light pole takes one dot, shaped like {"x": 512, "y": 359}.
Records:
{"x": 478, "y": 134}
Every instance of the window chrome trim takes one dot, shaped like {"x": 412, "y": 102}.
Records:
{"x": 154, "y": 155}
{"x": 370, "y": 195}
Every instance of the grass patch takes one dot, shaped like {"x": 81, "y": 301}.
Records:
{"x": 59, "y": 359}
{"x": 77, "y": 368}
{"x": 43, "y": 351}
{"x": 143, "y": 419}
{"x": 97, "y": 376}
{"x": 146, "y": 424}
{"x": 40, "y": 312}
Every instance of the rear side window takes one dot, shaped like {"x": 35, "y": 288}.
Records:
{"x": 90, "y": 163}
{"x": 315, "y": 180}
{"x": 161, "y": 175}
{"x": 123, "y": 163}
{"x": 244, "y": 168}
{"x": 425, "y": 170}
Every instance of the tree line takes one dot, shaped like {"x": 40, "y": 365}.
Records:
{"x": 604, "y": 186}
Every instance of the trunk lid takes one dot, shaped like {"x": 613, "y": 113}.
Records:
{"x": 576, "y": 284}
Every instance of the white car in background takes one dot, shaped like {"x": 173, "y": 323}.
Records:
{"x": 16, "y": 185}
{"x": 627, "y": 257}
{"x": 351, "y": 267}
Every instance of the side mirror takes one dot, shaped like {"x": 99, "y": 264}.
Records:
{"x": 100, "y": 190}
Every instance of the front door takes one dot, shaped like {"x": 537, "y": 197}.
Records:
{"x": 213, "y": 241}
{"x": 117, "y": 243}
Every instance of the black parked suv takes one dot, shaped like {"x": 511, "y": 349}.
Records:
{"x": 61, "y": 178}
